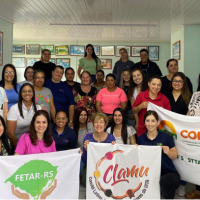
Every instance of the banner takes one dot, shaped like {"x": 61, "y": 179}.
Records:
{"x": 123, "y": 171}
{"x": 40, "y": 176}
{"x": 185, "y": 131}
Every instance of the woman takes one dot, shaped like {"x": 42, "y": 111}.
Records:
{"x": 170, "y": 179}
{"x": 20, "y": 115}
{"x": 9, "y": 83}
{"x": 64, "y": 136}
{"x": 5, "y": 148}
{"x": 44, "y": 64}
{"x": 85, "y": 94}
{"x": 122, "y": 64}
{"x": 43, "y": 95}
{"x": 123, "y": 134}
{"x": 110, "y": 97}
{"x": 194, "y": 110}
{"x": 69, "y": 75}
{"x": 90, "y": 62}
{"x": 99, "y": 83}
{"x": 28, "y": 75}
{"x": 81, "y": 125}
{"x": 172, "y": 67}
{"x": 99, "y": 121}
{"x": 38, "y": 139}
{"x": 3, "y": 104}
{"x": 152, "y": 95}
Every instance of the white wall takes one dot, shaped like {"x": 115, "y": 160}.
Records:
{"x": 164, "y": 54}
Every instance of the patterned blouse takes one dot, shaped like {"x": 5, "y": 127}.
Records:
{"x": 86, "y": 100}
{"x": 3, "y": 149}
{"x": 194, "y": 105}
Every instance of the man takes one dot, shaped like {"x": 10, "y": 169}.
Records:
{"x": 62, "y": 93}
{"x": 149, "y": 68}
{"x": 69, "y": 75}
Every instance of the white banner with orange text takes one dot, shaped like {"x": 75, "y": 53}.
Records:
{"x": 185, "y": 131}
{"x": 123, "y": 171}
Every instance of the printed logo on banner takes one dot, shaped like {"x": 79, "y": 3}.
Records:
{"x": 34, "y": 178}
{"x": 114, "y": 175}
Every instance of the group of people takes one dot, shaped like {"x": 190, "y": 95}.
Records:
{"x": 44, "y": 114}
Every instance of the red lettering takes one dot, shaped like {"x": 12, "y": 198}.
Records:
{"x": 106, "y": 173}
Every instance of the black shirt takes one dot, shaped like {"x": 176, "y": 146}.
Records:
{"x": 129, "y": 102}
{"x": 72, "y": 86}
{"x": 178, "y": 106}
{"x": 47, "y": 68}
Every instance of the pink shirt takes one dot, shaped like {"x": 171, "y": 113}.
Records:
{"x": 24, "y": 146}
{"x": 111, "y": 100}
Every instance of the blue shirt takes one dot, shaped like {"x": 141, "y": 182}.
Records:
{"x": 62, "y": 95}
{"x": 12, "y": 95}
{"x": 162, "y": 139}
{"x": 66, "y": 140}
{"x": 110, "y": 138}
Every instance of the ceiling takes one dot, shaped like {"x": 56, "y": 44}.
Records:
{"x": 98, "y": 20}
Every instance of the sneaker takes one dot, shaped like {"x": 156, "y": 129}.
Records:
{"x": 181, "y": 191}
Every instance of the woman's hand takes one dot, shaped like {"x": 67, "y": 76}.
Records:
{"x": 81, "y": 152}
{"x": 85, "y": 144}
{"x": 113, "y": 142}
{"x": 165, "y": 149}
{"x": 143, "y": 105}
{"x": 136, "y": 126}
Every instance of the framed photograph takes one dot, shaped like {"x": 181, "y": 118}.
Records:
{"x": 49, "y": 47}
{"x": 106, "y": 63}
{"x": 77, "y": 50}
{"x": 135, "y": 50}
{"x": 52, "y": 60}
{"x": 153, "y": 52}
{"x": 31, "y": 61}
{"x": 1, "y": 48}
{"x": 18, "y": 49}
{"x": 65, "y": 62}
{"x": 176, "y": 53}
{"x": 128, "y": 48}
{"x": 108, "y": 50}
{"x": 62, "y": 50}
{"x": 18, "y": 62}
{"x": 33, "y": 49}
{"x": 97, "y": 50}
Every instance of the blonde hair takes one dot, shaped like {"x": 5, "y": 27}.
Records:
{"x": 121, "y": 84}
{"x": 98, "y": 116}
{"x": 124, "y": 49}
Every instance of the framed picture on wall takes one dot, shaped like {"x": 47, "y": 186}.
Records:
{"x": 31, "y": 61}
{"x": 52, "y": 60}
{"x": 18, "y": 49}
{"x": 62, "y": 50}
{"x": 176, "y": 53}
{"x": 97, "y": 50}
{"x": 65, "y": 62}
{"x": 108, "y": 50}
{"x": 106, "y": 63}
{"x": 33, "y": 49}
{"x": 18, "y": 62}
{"x": 128, "y": 48}
{"x": 153, "y": 52}
{"x": 1, "y": 48}
{"x": 135, "y": 50}
{"x": 49, "y": 47}
{"x": 77, "y": 50}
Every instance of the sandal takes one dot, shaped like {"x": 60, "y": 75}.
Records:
{"x": 192, "y": 195}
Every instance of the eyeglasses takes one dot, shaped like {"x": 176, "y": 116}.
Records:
{"x": 61, "y": 118}
{"x": 27, "y": 91}
{"x": 175, "y": 81}
{"x": 9, "y": 72}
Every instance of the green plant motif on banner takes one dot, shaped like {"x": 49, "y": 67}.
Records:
{"x": 34, "y": 177}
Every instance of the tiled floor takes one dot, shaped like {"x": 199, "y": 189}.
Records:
{"x": 82, "y": 191}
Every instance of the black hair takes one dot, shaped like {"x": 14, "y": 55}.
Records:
{"x": 124, "y": 126}
{"x": 45, "y": 50}
{"x": 151, "y": 112}
{"x": 100, "y": 70}
{"x": 4, "y": 137}
{"x": 37, "y": 71}
{"x": 85, "y": 72}
{"x": 29, "y": 67}
{"x": 14, "y": 82}
{"x": 144, "y": 50}
{"x": 61, "y": 111}
{"x": 59, "y": 66}
{"x": 156, "y": 76}
{"x": 111, "y": 75}
{"x": 172, "y": 59}
{"x": 69, "y": 68}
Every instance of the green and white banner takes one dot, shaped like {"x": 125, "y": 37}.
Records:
{"x": 185, "y": 131}
{"x": 40, "y": 176}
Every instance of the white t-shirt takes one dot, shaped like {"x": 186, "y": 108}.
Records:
{"x": 130, "y": 131}
{"x": 194, "y": 105}
{"x": 23, "y": 124}
{"x": 135, "y": 93}
{"x": 3, "y": 99}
